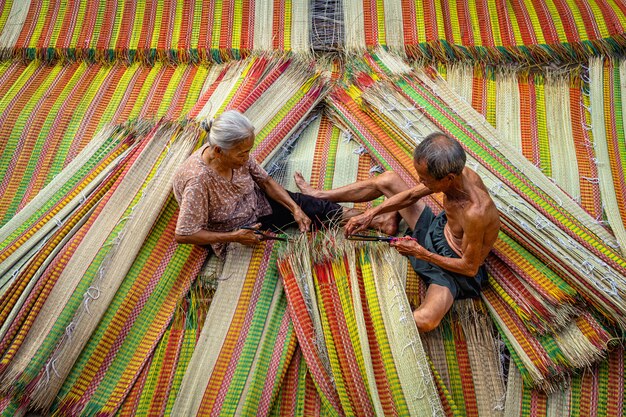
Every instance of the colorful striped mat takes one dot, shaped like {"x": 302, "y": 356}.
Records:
{"x": 96, "y": 383}
{"x": 156, "y": 387}
{"x": 133, "y": 324}
{"x": 355, "y": 328}
{"x": 197, "y": 31}
{"x": 599, "y": 391}
{"x": 497, "y": 32}
{"x": 550, "y": 119}
{"x": 556, "y": 286}
{"x": 82, "y": 184}
{"x": 384, "y": 119}
{"x": 98, "y": 95}
{"x": 464, "y": 352}
{"x": 607, "y": 101}
{"x": 465, "y": 356}
{"x": 298, "y": 395}
{"x": 247, "y": 341}
{"x": 77, "y": 292}
{"x": 42, "y": 135}
{"x": 173, "y": 30}
{"x": 541, "y": 115}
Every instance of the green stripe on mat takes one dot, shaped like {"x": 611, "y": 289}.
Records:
{"x": 253, "y": 338}
{"x": 268, "y": 348}
{"x": 119, "y": 300}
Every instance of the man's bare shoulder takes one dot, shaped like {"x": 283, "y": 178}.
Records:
{"x": 483, "y": 209}
{"x": 483, "y": 212}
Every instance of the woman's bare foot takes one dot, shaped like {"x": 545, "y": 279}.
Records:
{"x": 304, "y": 186}
{"x": 386, "y": 223}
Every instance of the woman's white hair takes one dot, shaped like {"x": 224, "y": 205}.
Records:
{"x": 229, "y": 129}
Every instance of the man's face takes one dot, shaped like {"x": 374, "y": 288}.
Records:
{"x": 429, "y": 181}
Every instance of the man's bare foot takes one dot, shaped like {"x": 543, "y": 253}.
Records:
{"x": 304, "y": 186}
{"x": 386, "y": 223}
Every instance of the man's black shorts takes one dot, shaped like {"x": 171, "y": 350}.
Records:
{"x": 428, "y": 232}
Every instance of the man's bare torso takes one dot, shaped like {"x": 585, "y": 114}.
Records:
{"x": 476, "y": 206}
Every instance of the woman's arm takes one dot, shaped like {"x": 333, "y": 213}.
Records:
{"x": 277, "y": 193}
{"x": 206, "y": 237}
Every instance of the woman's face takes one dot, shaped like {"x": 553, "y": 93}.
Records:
{"x": 237, "y": 156}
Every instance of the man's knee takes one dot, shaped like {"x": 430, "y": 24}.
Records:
{"x": 388, "y": 180}
{"x": 426, "y": 320}
{"x": 387, "y": 177}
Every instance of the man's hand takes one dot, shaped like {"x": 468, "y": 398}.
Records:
{"x": 409, "y": 247}
{"x": 358, "y": 223}
{"x": 304, "y": 223}
{"x": 248, "y": 236}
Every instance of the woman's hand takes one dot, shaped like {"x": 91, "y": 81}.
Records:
{"x": 304, "y": 223}
{"x": 248, "y": 236}
{"x": 277, "y": 193}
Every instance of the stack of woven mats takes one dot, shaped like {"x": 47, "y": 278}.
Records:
{"x": 556, "y": 284}
{"x": 87, "y": 312}
{"x": 195, "y": 31}
{"x": 381, "y": 111}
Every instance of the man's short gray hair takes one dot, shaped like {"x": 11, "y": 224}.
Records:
{"x": 442, "y": 154}
{"x": 229, "y": 129}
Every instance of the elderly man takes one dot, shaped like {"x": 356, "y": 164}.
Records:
{"x": 447, "y": 250}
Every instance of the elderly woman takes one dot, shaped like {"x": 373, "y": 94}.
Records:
{"x": 220, "y": 189}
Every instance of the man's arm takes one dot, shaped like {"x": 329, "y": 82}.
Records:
{"x": 277, "y": 193}
{"x": 401, "y": 200}
{"x": 394, "y": 203}
{"x": 473, "y": 255}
